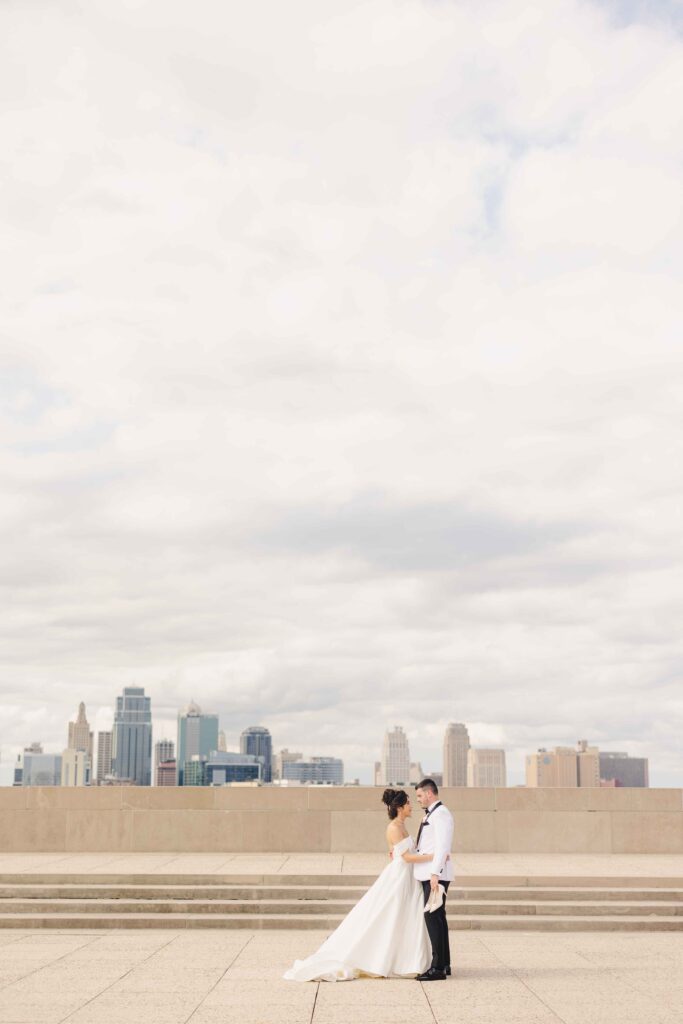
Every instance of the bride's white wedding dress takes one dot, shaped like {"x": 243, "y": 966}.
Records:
{"x": 384, "y": 935}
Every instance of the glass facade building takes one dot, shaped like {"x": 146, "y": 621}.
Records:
{"x": 197, "y": 737}
{"x": 131, "y": 753}
{"x": 328, "y": 770}
{"x": 256, "y": 741}
{"x": 624, "y": 770}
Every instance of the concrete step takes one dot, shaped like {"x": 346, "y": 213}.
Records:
{"x": 496, "y": 882}
{"x": 309, "y": 906}
{"x": 249, "y": 880}
{"x": 321, "y": 902}
{"x": 526, "y": 892}
{"x": 318, "y": 892}
{"x": 201, "y": 892}
{"x": 328, "y": 923}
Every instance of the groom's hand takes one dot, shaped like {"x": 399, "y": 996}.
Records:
{"x": 434, "y": 881}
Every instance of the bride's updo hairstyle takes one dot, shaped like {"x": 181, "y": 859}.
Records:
{"x": 394, "y": 798}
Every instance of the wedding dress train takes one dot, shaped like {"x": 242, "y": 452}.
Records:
{"x": 383, "y": 935}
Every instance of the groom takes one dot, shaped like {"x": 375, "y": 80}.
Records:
{"x": 435, "y": 836}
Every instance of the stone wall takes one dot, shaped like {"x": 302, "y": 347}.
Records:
{"x": 343, "y": 820}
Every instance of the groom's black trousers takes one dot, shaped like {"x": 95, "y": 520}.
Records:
{"x": 437, "y": 927}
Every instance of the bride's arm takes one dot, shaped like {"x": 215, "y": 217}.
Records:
{"x": 393, "y": 837}
{"x": 420, "y": 858}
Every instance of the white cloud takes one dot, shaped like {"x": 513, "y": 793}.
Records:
{"x": 341, "y": 371}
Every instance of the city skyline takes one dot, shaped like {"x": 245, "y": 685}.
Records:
{"x": 395, "y": 744}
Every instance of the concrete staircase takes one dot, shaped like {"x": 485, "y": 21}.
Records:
{"x": 321, "y": 901}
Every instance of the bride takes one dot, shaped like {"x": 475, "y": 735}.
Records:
{"x": 385, "y": 934}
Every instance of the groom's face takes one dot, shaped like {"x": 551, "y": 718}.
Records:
{"x": 424, "y": 797}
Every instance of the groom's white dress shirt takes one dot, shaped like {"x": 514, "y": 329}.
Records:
{"x": 436, "y": 838}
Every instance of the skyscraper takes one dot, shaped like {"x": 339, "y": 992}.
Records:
{"x": 456, "y": 743}
{"x": 164, "y": 763}
{"x": 486, "y": 767}
{"x": 80, "y": 736}
{"x": 197, "y": 737}
{"x": 395, "y": 763}
{"x": 257, "y": 741}
{"x": 103, "y": 756}
{"x": 552, "y": 768}
{"x": 131, "y": 750}
{"x": 76, "y": 767}
{"x": 564, "y": 766}
{"x": 164, "y": 750}
{"x": 623, "y": 769}
{"x": 587, "y": 764}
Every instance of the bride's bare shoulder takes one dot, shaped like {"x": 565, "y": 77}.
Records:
{"x": 395, "y": 832}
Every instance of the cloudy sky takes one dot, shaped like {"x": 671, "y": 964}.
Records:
{"x": 340, "y": 371}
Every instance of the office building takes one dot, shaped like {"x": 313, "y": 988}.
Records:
{"x": 486, "y": 767}
{"x": 222, "y": 745}
{"x": 587, "y": 765}
{"x": 80, "y": 736}
{"x": 164, "y": 754}
{"x": 624, "y": 770}
{"x": 256, "y": 741}
{"x": 164, "y": 750}
{"x": 225, "y": 767}
{"x": 165, "y": 773}
{"x": 103, "y": 756}
{"x": 38, "y": 769}
{"x": 320, "y": 770}
{"x": 416, "y": 773}
{"x": 194, "y": 771}
{"x": 76, "y": 767}
{"x": 78, "y": 756}
{"x": 197, "y": 737}
{"x": 456, "y": 743}
{"x": 282, "y": 758}
{"x": 131, "y": 749}
{"x": 395, "y": 763}
{"x": 33, "y": 748}
{"x": 564, "y": 767}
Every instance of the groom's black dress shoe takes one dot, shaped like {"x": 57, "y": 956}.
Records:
{"x": 447, "y": 970}
{"x": 433, "y": 974}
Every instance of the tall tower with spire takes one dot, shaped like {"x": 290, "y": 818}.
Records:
{"x": 80, "y": 736}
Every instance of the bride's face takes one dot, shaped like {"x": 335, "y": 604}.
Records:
{"x": 407, "y": 809}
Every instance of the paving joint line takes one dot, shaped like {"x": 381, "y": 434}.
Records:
{"x": 523, "y": 982}
{"x": 43, "y": 966}
{"x": 429, "y": 1004}
{"x": 117, "y": 980}
{"x": 315, "y": 1002}
{"x": 237, "y": 955}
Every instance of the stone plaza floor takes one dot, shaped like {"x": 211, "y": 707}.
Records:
{"x": 465, "y": 864}
{"x": 235, "y": 977}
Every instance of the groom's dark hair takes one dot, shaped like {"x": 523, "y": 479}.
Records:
{"x": 428, "y": 784}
